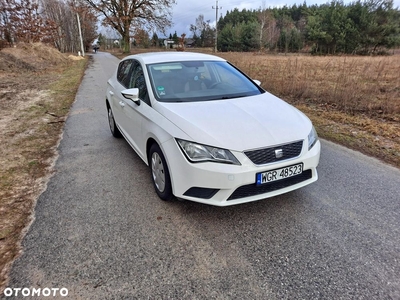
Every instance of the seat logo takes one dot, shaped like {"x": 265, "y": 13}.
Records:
{"x": 279, "y": 153}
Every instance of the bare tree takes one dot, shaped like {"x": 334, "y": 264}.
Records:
{"x": 49, "y": 21}
{"x": 201, "y": 26}
{"x": 142, "y": 38}
{"x": 88, "y": 19}
{"x": 205, "y": 31}
{"x": 263, "y": 19}
{"x": 63, "y": 15}
{"x": 127, "y": 15}
{"x": 26, "y": 21}
{"x": 269, "y": 32}
{"x": 21, "y": 21}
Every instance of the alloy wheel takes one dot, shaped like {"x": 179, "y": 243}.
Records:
{"x": 157, "y": 169}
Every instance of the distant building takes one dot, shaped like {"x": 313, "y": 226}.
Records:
{"x": 168, "y": 43}
{"x": 190, "y": 42}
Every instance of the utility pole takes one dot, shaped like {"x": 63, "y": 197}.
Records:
{"x": 80, "y": 34}
{"x": 216, "y": 24}
{"x": 79, "y": 29}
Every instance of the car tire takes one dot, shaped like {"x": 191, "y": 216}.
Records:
{"x": 111, "y": 122}
{"x": 160, "y": 173}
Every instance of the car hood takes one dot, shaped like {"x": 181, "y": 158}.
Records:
{"x": 238, "y": 124}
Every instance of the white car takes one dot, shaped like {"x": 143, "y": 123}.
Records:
{"x": 208, "y": 132}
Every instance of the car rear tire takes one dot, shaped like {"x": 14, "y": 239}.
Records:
{"x": 160, "y": 173}
{"x": 111, "y": 122}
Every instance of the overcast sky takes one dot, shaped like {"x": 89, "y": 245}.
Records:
{"x": 185, "y": 12}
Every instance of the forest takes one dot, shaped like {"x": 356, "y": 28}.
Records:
{"x": 361, "y": 27}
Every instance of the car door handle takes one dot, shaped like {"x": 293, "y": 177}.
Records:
{"x": 122, "y": 104}
{"x": 111, "y": 93}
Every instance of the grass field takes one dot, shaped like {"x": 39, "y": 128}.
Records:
{"x": 367, "y": 85}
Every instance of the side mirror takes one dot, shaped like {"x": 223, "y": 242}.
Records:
{"x": 132, "y": 94}
{"x": 258, "y": 82}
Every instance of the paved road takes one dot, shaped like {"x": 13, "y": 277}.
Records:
{"x": 101, "y": 232}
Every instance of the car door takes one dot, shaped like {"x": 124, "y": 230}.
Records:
{"x": 117, "y": 100}
{"x": 135, "y": 113}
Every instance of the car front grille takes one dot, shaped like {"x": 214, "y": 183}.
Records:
{"x": 268, "y": 155}
{"x": 253, "y": 189}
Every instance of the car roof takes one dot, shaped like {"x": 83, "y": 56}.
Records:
{"x": 160, "y": 57}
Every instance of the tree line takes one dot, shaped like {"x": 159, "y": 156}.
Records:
{"x": 361, "y": 27}
{"x": 56, "y": 21}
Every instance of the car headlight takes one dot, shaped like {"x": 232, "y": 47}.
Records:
{"x": 312, "y": 138}
{"x": 201, "y": 153}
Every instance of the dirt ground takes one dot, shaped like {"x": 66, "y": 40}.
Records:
{"x": 30, "y": 127}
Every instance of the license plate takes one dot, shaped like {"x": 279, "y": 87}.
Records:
{"x": 278, "y": 174}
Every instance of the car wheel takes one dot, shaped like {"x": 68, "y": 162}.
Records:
{"x": 111, "y": 122}
{"x": 159, "y": 173}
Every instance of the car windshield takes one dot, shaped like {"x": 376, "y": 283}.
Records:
{"x": 189, "y": 81}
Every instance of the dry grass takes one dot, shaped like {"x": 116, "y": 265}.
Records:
{"x": 35, "y": 98}
{"x": 369, "y": 85}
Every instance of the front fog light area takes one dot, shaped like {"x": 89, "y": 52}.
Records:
{"x": 201, "y": 153}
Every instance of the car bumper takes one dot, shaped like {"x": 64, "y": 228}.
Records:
{"x": 224, "y": 184}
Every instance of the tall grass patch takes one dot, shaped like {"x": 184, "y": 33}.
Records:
{"x": 31, "y": 122}
{"x": 369, "y": 85}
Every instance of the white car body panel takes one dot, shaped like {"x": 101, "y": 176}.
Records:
{"x": 238, "y": 125}
{"x": 227, "y": 178}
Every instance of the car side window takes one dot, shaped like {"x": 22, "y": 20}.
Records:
{"x": 123, "y": 72}
{"x": 137, "y": 80}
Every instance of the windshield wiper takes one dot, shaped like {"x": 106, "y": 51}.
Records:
{"x": 228, "y": 97}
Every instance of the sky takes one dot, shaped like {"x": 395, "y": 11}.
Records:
{"x": 185, "y": 12}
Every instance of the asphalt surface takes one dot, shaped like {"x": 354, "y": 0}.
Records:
{"x": 101, "y": 232}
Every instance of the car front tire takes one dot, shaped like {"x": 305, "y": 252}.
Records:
{"x": 111, "y": 122}
{"x": 160, "y": 173}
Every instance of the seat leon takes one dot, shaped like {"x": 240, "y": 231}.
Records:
{"x": 208, "y": 132}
